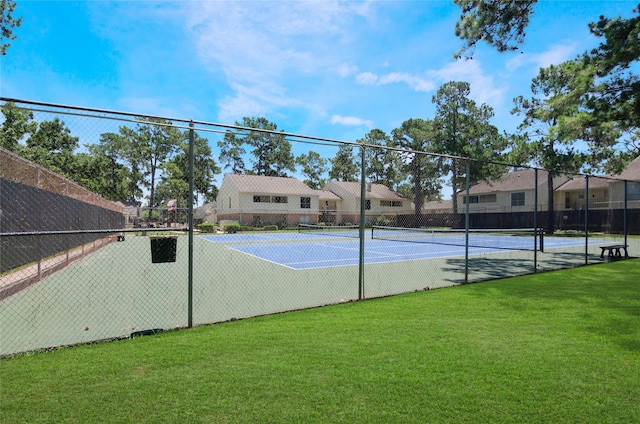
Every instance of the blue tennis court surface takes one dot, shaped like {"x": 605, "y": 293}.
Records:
{"x": 305, "y": 251}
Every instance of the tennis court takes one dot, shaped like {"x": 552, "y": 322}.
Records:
{"x": 326, "y": 247}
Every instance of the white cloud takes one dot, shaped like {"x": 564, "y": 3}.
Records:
{"x": 483, "y": 87}
{"x": 351, "y": 121}
{"x": 259, "y": 45}
{"x": 416, "y": 83}
{"x": 345, "y": 70}
{"x": 555, "y": 55}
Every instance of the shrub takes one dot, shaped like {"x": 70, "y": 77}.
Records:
{"x": 232, "y": 227}
{"x": 271, "y": 227}
{"x": 207, "y": 227}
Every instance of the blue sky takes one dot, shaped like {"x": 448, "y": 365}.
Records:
{"x": 328, "y": 68}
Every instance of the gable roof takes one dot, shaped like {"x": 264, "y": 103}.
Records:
{"x": 515, "y": 181}
{"x": 437, "y": 205}
{"x": 327, "y": 195}
{"x": 632, "y": 171}
{"x": 580, "y": 183}
{"x": 268, "y": 185}
{"x": 373, "y": 191}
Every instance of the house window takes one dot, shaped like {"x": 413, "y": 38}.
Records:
{"x": 279, "y": 199}
{"x": 487, "y": 198}
{"x": 392, "y": 203}
{"x": 261, "y": 199}
{"x": 472, "y": 199}
{"x": 633, "y": 191}
{"x": 517, "y": 199}
{"x": 305, "y": 202}
{"x": 367, "y": 204}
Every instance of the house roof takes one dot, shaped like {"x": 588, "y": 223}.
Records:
{"x": 268, "y": 185}
{"x": 437, "y": 205}
{"x": 514, "y": 181}
{"x": 632, "y": 171}
{"x": 580, "y": 183}
{"x": 328, "y": 195}
{"x": 373, "y": 191}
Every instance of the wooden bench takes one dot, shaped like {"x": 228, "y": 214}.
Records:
{"x": 614, "y": 250}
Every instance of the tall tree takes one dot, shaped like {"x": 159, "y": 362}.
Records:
{"x": 232, "y": 151}
{"x": 314, "y": 167}
{"x": 462, "y": 129}
{"x": 382, "y": 163}
{"x": 18, "y": 124}
{"x": 107, "y": 166}
{"x": 7, "y": 24}
{"x": 500, "y": 23}
{"x": 344, "y": 166}
{"x": 151, "y": 144}
{"x": 415, "y": 136}
{"x": 204, "y": 168}
{"x": 271, "y": 150}
{"x": 53, "y": 146}
{"x": 552, "y": 146}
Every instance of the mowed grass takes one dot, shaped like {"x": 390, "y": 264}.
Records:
{"x": 557, "y": 347}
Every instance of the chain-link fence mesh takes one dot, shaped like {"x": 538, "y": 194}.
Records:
{"x": 77, "y": 268}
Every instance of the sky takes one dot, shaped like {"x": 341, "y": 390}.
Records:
{"x": 332, "y": 69}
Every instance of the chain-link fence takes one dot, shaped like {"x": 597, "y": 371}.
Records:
{"x": 175, "y": 251}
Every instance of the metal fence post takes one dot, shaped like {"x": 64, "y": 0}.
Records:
{"x": 190, "y": 277}
{"x": 363, "y": 193}
{"x": 586, "y": 220}
{"x": 466, "y": 223}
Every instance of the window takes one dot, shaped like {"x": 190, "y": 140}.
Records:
{"x": 487, "y": 198}
{"x": 367, "y": 204}
{"x": 392, "y": 203}
{"x": 305, "y": 202}
{"x": 633, "y": 191}
{"x": 472, "y": 199}
{"x": 517, "y": 199}
{"x": 279, "y": 199}
{"x": 261, "y": 199}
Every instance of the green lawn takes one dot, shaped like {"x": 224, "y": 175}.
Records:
{"x": 557, "y": 347}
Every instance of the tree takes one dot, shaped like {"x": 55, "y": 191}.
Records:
{"x": 231, "y": 152}
{"x": 313, "y": 168}
{"x": 463, "y": 129}
{"x": 7, "y": 24}
{"x": 204, "y": 170}
{"x": 18, "y": 125}
{"x": 500, "y": 23}
{"x": 272, "y": 151}
{"x": 53, "y": 146}
{"x": 552, "y": 143}
{"x": 414, "y": 136}
{"x": 106, "y": 164}
{"x": 382, "y": 164}
{"x": 150, "y": 145}
{"x": 344, "y": 166}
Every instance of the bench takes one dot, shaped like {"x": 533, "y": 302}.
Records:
{"x": 614, "y": 250}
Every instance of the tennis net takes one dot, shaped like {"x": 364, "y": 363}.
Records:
{"x": 351, "y": 231}
{"x": 510, "y": 239}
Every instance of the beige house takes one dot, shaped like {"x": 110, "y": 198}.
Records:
{"x": 617, "y": 188}
{"x": 379, "y": 201}
{"x": 513, "y": 192}
{"x": 258, "y": 200}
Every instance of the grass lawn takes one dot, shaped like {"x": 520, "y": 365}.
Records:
{"x": 557, "y": 347}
